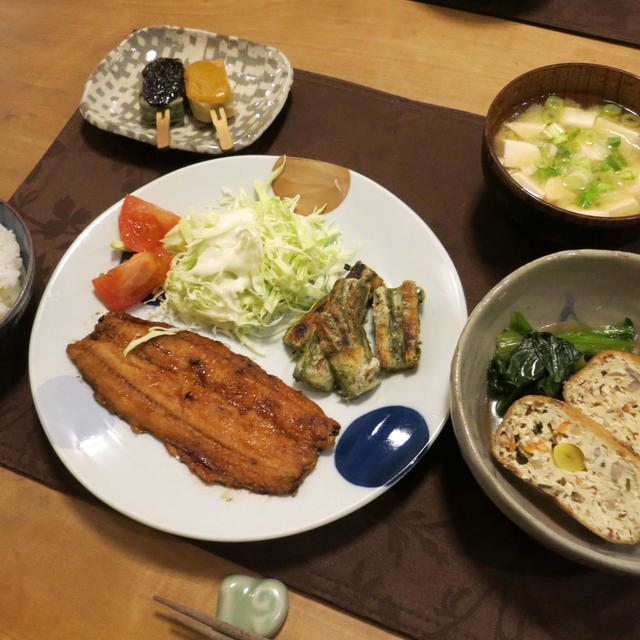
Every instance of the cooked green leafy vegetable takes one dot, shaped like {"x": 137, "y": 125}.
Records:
{"x": 530, "y": 361}
{"x": 619, "y": 336}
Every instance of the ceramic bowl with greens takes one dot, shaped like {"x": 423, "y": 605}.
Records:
{"x": 564, "y": 291}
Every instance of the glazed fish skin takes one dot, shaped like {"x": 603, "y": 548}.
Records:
{"x": 396, "y": 322}
{"x": 219, "y": 412}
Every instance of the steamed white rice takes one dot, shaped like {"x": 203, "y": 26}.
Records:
{"x": 10, "y": 270}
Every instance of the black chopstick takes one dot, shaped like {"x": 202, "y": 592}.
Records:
{"x": 223, "y": 630}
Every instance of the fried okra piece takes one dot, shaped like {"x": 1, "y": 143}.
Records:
{"x": 396, "y": 323}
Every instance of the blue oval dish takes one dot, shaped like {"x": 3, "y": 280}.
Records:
{"x": 381, "y": 445}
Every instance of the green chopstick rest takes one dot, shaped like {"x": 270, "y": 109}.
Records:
{"x": 259, "y": 605}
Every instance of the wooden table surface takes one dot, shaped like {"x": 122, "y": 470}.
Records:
{"x": 71, "y": 570}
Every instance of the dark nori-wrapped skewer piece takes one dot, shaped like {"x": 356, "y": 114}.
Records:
{"x": 162, "y": 90}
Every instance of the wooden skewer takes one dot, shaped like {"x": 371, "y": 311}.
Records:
{"x": 219, "y": 119}
{"x": 224, "y": 629}
{"x": 163, "y": 119}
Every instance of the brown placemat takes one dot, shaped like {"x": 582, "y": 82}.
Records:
{"x": 613, "y": 20}
{"x": 432, "y": 557}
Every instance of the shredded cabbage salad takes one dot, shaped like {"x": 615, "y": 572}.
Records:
{"x": 248, "y": 265}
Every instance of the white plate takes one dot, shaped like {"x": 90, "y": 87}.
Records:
{"x": 134, "y": 473}
{"x": 260, "y": 77}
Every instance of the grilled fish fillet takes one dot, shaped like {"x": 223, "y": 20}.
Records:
{"x": 343, "y": 340}
{"x": 396, "y": 323}
{"x": 221, "y": 414}
{"x": 302, "y": 331}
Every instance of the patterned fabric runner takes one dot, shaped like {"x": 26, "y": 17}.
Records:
{"x": 432, "y": 557}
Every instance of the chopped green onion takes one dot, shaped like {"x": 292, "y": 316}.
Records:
{"x": 587, "y": 198}
{"x": 554, "y": 102}
{"x": 630, "y": 119}
{"x": 577, "y": 179}
{"x": 627, "y": 174}
{"x": 611, "y": 109}
{"x": 591, "y": 195}
{"x": 616, "y": 160}
{"x": 548, "y": 150}
{"x": 542, "y": 173}
{"x": 590, "y": 136}
{"x": 590, "y": 162}
{"x": 553, "y": 130}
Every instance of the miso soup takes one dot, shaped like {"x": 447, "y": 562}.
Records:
{"x": 584, "y": 159}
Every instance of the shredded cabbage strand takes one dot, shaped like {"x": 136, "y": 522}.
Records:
{"x": 250, "y": 264}
{"x": 152, "y": 333}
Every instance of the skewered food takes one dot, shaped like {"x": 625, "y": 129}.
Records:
{"x": 162, "y": 88}
{"x": 210, "y": 96}
{"x": 218, "y": 412}
{"x": 207, "y": 87}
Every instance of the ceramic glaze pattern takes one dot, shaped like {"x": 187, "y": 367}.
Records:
{"x": 97, "y": 446}
{"x": 260, "y": 77}
{"x": 257, "y": 605}
{"x": 382, "y": 445}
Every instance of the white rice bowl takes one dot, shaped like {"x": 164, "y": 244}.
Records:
{"x": 11, "y": 270}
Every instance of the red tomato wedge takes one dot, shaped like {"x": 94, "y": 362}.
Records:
{"x": 132, "y": 280}
{"x": 142, "y": 225}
